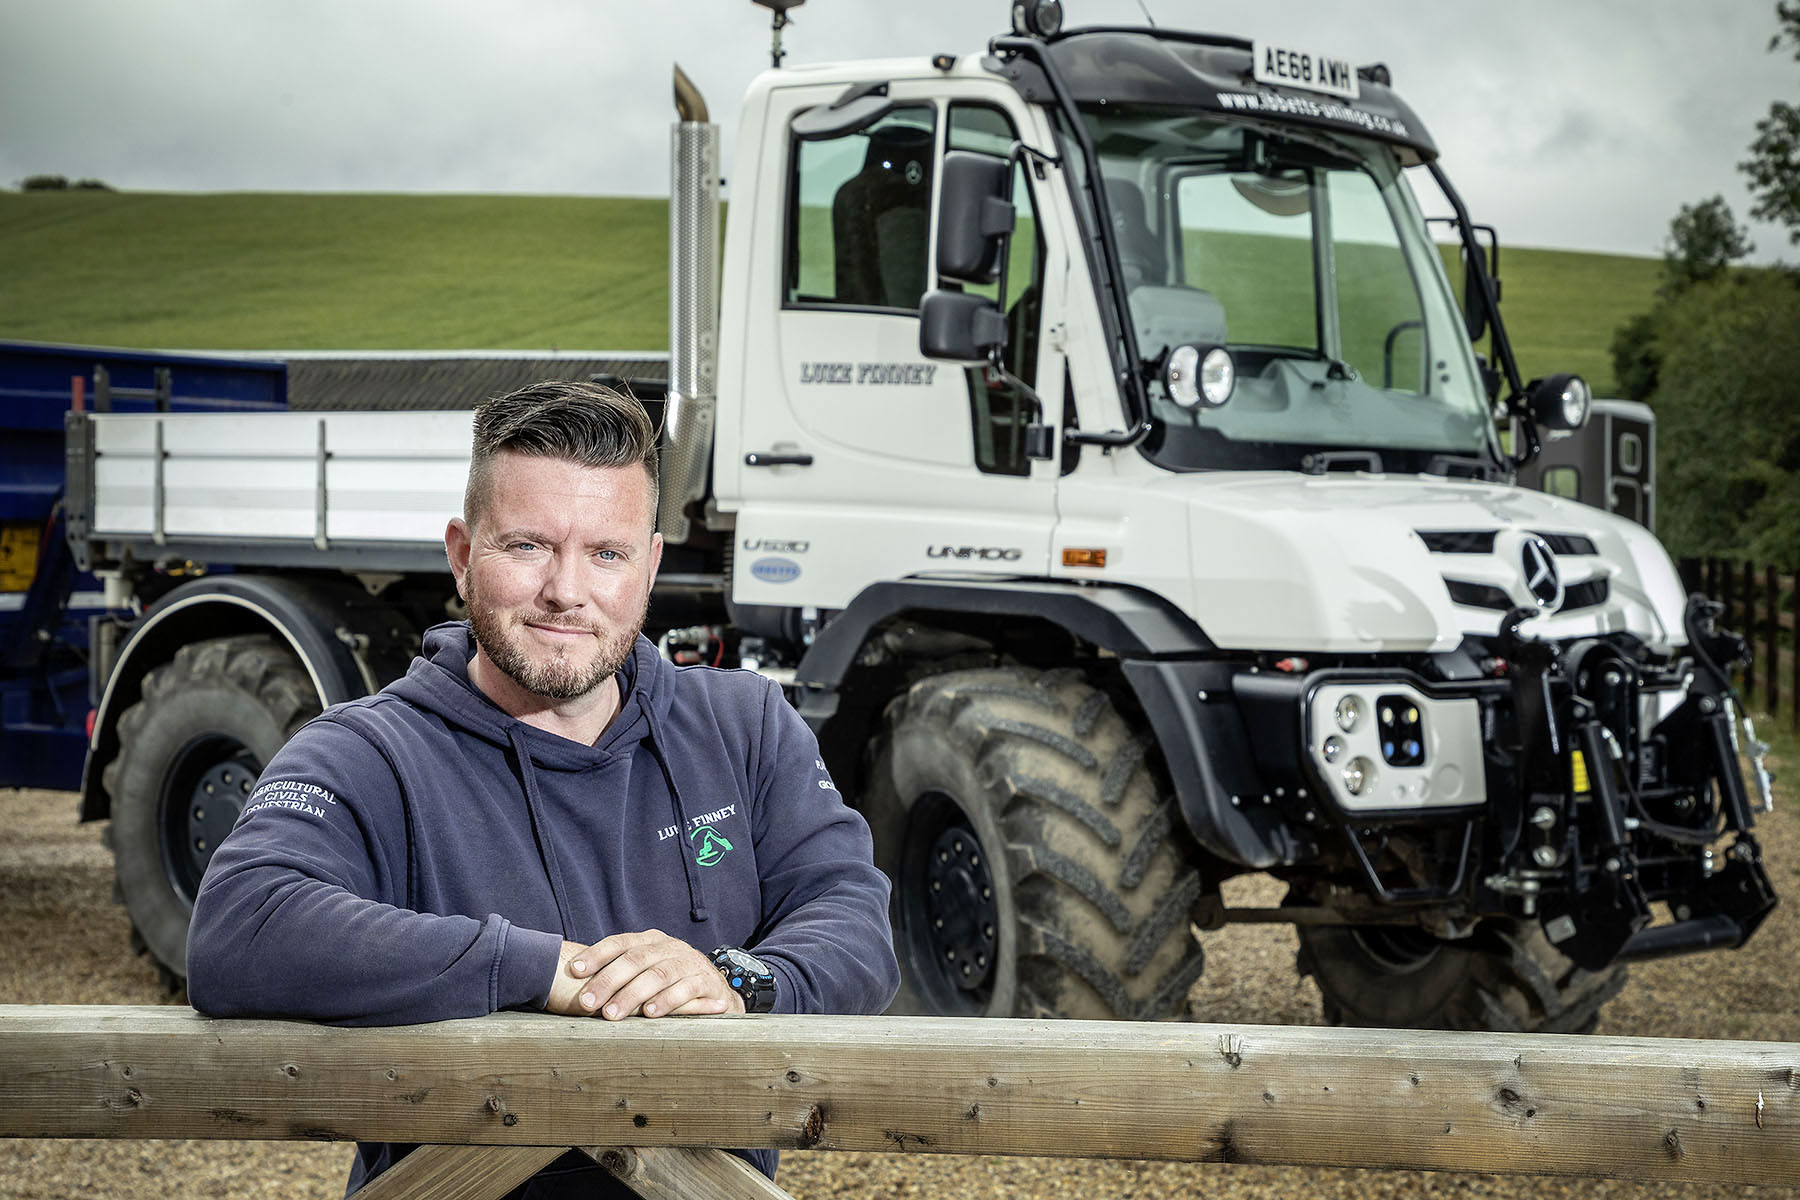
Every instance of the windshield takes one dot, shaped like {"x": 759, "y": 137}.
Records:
{"x": 1305, "y": 255}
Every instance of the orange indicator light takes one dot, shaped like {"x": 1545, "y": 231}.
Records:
{"x": 1073, "y": 557}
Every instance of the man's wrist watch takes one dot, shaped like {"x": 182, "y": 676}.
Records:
{"x": 748, "y": 976}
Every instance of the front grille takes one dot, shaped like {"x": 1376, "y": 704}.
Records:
{"x": 1569, "y": 543}
{"x": 1585, "y": 595}
{"x": 1458, "y": 541}
{"x": 1478, "y": 595}
{"x": 1576, "y": 596}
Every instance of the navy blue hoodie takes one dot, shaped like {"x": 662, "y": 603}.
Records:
{"x": 419, "y": 855}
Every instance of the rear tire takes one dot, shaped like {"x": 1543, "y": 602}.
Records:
{"x": 1039, "y": 870}
{"x": 1507, "y": 977}
{"x": 189, "y": 753}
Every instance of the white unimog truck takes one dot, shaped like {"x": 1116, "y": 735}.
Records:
{"x": 1086, "y": 429}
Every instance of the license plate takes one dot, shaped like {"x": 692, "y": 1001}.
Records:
{"x": 1286, "y": 65}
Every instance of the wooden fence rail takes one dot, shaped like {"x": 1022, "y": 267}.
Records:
{"x": 500, "y": 1096}
{"x": 1759, "y": 605}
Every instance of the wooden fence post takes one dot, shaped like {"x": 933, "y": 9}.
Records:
{"x": 1772, "y": 592}
{"x": 1749, "y": 627}
{"x": 1794, "y": 679}
{"x": 1727, "y": 594}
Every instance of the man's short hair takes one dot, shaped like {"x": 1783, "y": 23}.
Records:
{"x": 582, "y": 423}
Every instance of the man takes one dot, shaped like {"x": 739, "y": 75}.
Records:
{"x": 543, "y": 813}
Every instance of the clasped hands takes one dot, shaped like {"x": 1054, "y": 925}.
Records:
{"x": 648, "y": 974}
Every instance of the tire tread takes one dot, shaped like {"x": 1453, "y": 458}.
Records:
{"x": 1101, "y": 879}
{"x": 265, "y": 676}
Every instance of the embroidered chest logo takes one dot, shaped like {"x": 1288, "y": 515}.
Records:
{"x": 709, "y": 845}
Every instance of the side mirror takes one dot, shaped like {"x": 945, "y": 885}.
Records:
{"x": 975, "y": 216}
{"x": 1560, "y": 401}
{"x": 1475, "y": 314}
{"x": 960, "y": 327}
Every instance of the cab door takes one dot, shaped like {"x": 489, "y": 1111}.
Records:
{"x": 861, "y": 460}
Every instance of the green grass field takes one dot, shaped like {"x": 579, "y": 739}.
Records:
{"x": 312, "y": 272}
{"x": 307, "y": 271}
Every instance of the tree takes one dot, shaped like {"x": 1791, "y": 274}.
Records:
{"x": 1716, "y": 357}
{"x": 1636, "y": 360}
{"x": 1724, "y": 410}
{"x": 1704, "y": 239}
{"x": 1774, "y": 163}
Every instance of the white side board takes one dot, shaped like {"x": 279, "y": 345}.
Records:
{"x": 321, "y": 477}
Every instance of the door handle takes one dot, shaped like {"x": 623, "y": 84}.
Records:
{"x": 768, "y": 458}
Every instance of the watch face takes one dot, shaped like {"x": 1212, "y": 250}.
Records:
{"x": 743, "y": 960}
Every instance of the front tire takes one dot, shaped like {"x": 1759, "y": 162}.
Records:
{"x": 1039, "y": 870}
{"x": 1507, "y": 977}
{"x": 189, "y": 753}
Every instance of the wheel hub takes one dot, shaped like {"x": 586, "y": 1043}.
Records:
{"x": 960, "y": 907}
{"x": 218, "y": 775}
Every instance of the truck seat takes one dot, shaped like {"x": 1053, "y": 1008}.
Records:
{"x": 1140, "y": 254}
{"x": 881, "y": 221}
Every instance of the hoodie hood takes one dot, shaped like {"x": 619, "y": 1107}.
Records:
{"x": 438, "y": 682}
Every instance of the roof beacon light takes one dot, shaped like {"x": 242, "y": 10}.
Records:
{"x": 1037, "y": 18}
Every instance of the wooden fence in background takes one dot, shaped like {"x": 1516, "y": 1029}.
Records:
{"x": 1759, "y": 606}
{"x": 494, "y": 1099}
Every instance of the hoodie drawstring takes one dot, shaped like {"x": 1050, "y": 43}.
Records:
{"x": 534, "y": 807}
{"x": 696, "y": 895}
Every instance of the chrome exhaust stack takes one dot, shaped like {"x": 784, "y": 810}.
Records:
{"x": 693, "y": 309}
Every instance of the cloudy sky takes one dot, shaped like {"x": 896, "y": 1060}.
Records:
{"x": 1569, "y": 123}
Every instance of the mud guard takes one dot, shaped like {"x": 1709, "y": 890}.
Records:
{"x": 1187, "y": 699}
{"x": 211, "y": 607}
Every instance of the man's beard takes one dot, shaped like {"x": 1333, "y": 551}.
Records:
{"x": 555, "y": 677}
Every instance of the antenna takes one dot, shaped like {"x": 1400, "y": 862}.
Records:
{"x": 776, "y": 24}
{"x": 1147, "y": 17}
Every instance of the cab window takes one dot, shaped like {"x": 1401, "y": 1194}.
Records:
{"x": 859, "y": 215}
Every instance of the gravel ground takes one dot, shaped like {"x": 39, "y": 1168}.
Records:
{"x": 62, "y": 941}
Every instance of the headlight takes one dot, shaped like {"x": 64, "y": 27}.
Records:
{"x": 1218, "y": 376}
{"x": 1200, "y": 375}
{"x": 1575, "y": 400}
{"x": 1359, "y": 775}
{"x": 1385, "y": 745}
{"x": 1560, "y": 401}
{"x": 1181, "y": 378}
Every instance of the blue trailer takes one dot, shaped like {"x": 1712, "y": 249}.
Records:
{"x": 57, "y": 628}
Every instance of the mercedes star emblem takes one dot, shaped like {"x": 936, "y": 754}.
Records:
{"x": 1542, "y": 579}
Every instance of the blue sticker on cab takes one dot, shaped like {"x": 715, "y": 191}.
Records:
{"x": 775, "y": 570}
